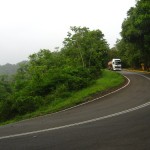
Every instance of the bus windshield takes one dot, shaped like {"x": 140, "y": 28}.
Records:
{"x": 117, "y": 62}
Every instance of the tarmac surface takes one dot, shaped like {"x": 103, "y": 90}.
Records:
{"x": 118, "y": 121}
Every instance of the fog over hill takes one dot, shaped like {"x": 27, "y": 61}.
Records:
{"x": 10, "y": 69}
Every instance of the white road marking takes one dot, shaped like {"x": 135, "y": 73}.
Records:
{"x": 79, "y": 123}
{"x": 95, "y": 98}
{"x": 84, "y": 122}
{"x": 143, "y": 76}
{"x": 128, "y": 82}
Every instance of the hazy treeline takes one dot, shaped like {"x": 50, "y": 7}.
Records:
{"x": 9, "y": 69}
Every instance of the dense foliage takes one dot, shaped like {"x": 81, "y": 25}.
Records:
{"x": 134, "y": 47}
{"x": 49, "y": 76}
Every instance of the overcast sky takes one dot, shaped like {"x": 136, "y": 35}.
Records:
{"x": 26, "y": 26}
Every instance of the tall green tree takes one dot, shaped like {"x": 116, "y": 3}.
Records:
{"x": 136, "y": 30}
{"x": 129, "y": 54}
{"x": 86, "y": 48}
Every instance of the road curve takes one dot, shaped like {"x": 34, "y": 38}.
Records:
{"x": 118, "y": 121}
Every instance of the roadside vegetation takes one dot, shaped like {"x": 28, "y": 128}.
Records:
{"x": 51, "y": 77}
{"x": 106, "y": 81}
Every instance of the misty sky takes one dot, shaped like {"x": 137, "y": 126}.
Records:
{"x": 26, "y": 26}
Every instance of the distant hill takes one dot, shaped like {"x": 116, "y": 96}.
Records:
{"x": 10, "y": 69}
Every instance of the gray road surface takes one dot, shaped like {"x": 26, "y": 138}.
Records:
{"x": 118, "y": 121}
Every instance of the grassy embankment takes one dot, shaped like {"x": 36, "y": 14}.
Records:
{"x": 107, "y": 81}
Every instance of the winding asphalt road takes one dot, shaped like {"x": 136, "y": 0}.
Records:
{"x": 119, "y": 121}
